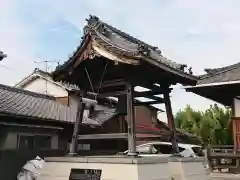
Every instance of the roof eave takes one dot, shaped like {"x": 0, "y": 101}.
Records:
{"x": 33, "y": 118}
{"x": 192, "y": 80}
{"x": 85, "y": 40}
{"x": 212, "y": 84}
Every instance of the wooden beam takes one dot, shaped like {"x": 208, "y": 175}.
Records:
{"x": 79, "y": 118}
{"x": 155, "y": 98}
{"x": 160, "y": 132}
{"x": 138, "y": 103}
{"x": 114, "y": 93}
{"x": 131, "y": 121}
{"x": 103, "y": 136}
{"x": 112, "y": 83}
{"x": 146, "y": 93}
{"x": 171, "y": 123}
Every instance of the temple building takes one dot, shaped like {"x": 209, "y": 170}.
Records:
{"x": 111, "y": 63}
{"x": 105, "y": 117}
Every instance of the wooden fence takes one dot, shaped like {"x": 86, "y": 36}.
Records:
{"x": 223, "y": 157}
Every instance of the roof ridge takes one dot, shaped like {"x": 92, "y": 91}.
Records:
{"x": 93, "y": 20}
{"x": 23, "y": 91}
{"x": 220, "y": 70}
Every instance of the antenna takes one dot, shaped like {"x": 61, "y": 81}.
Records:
{"x": 46, "y": 69}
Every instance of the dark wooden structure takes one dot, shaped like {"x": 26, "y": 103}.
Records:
{"x": 110, "y": 62}
{"x": 222, "y": 157}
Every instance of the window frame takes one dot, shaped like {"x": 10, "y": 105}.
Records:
{"x": 169, "y": 146}
{"x": 34, "y": 139}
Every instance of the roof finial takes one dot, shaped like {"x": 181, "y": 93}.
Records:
{"x": 182, "y": 67}
{"x": 143, "y": 49}
{"x": 92, "y": 18}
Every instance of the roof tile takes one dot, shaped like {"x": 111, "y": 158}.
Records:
{"x": 20, "y": 102}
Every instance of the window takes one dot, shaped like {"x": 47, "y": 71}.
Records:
{"x": 34, "y": 141}
{"x": 42, "y": 142}
{"x": 198, "y": 151}
{"x": 26, "y": 142}
{"x": 165, "y": 148}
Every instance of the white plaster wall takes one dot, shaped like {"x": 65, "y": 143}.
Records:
{"x": 73, "y": 101}
{"x": 39, "y": 86}
{"x": 236, "y": 107}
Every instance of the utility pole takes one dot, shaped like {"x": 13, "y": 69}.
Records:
{"x": 46, "y": 70}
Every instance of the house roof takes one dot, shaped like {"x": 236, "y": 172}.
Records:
{"x": 22, "y": 103}
{"x": 223, "y": 74}
{"x": 37, "y": 73}
{"x": 219, "y": 84}
{"x": 121, "y": 47}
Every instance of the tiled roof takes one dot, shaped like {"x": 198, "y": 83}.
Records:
{"x": 18, "y": 102}
{"x": 123, "y": 45}
{"x": 223, "y": 74}
{"x": 100, "y": 115}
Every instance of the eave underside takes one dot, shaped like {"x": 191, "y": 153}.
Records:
{"x": 223, "y": 94}
{"x": 137, "y": 74}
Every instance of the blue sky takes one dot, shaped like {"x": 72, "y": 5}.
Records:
{"x": 202, "y": 34}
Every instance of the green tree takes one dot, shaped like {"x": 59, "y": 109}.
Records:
{"x": 213, "y": 126}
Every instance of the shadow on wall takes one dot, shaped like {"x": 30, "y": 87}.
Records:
{"x": 11, "y": 161}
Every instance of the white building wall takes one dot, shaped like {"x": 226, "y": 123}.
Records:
{"x": 39, "y": 86}
{"x": 236, "y": 108}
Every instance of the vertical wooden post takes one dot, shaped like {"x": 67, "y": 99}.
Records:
{"x": 171, "y": 123}
{"x": 80, "y": 110}
{"x": 234, "y": 124}
{"x": 131, "y": 121}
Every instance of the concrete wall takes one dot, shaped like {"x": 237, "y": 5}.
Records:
{"x": 39, "y": 86}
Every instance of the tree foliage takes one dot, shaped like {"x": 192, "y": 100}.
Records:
{"x": 213, "y": 126}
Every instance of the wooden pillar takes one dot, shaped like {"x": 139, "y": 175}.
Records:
{"x": 171, "y": 123}
{"x": 234, "y": 124}
{"x": 79, "y": 118}
{"x": 131, "y": 121}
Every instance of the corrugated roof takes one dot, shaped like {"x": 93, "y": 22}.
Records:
{"x": 18, "y": 102}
